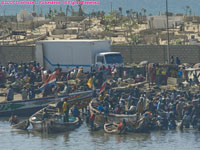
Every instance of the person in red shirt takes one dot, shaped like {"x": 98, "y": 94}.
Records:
{"x": 2, "y": 78}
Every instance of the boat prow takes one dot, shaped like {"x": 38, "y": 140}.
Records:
{"x": 23, "y": 125}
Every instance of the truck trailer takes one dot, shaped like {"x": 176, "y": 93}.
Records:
{"x": 89, "y": 54}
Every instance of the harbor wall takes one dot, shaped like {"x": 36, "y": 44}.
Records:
{"x": 131, "y": 54}
{"x": 17, "y": 54}
{"x": 158, "y": 53}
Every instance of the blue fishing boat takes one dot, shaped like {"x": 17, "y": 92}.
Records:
{"x": 26, "y": 108}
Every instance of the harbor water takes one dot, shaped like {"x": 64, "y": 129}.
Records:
{"x": 83, "y": 139}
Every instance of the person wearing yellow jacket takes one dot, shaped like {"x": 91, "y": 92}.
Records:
{"x": 65, "y": 108}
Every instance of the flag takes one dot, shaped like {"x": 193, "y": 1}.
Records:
{"x": 90, "y": 82}
{"x": 103, "y": 87}
{"x": 51, "y": 80}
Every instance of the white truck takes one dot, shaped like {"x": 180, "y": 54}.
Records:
{"x": 76, "y": 53}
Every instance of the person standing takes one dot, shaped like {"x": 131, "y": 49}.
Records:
{"x": 24, "y": 93}
{"x": 158, "y": 75}
{"x": 59, "y": 106}
{"x": 10, "y": 94}
{"x": 178, "y": 62}
{"x": 66, "y": 111}
{"x": 91, "y": 120}
{"x": 153, "y": 74}
{"x": 172, "y": 60}
{"x": 75, "y": 112}
{"x": 32, "y": 92}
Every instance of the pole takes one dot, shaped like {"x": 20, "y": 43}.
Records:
{"x": 111, "y": 6}
{"x": 168, "y": 54}
{"x": 34, "y": 6}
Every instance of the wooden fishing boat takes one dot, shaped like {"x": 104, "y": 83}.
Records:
{"x": 111, "y": 128}
{"x": 23, "y": 125}
{"x": 55, "y": 121}
{"x": 26, "y": 108}
{"x": 100, "y": 118}
{"x": 56, "y": 126}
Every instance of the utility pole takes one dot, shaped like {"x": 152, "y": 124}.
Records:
{"x": 168, "y": 54}
{"x": 34, "y": 6}
{"x": 111, "y": 7}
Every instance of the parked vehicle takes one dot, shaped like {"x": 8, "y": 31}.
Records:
{"x": 76, "y": 53}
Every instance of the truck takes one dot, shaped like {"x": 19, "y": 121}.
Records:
{"x": 68, "y": 54}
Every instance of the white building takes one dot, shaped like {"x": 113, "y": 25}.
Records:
{"x": 24, "y": 15}
{"x": 160, "y": 22}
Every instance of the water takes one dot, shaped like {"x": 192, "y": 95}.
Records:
{"x": 152, "y": 6}
{"x": 82, "y": 139}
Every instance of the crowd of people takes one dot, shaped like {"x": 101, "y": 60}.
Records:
{"x": 27, "y": 78}
{"x": 163, "y": 106}
{"x": 20, "y": 78}
{"x": 158, "y": 74}
{"x": 156, "y": 108}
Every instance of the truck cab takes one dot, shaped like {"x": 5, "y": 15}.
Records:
{"x": 108, "y": 59}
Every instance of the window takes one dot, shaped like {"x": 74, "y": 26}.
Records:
{"x": 100, "y": 59}
{"x": 114, "y": 59}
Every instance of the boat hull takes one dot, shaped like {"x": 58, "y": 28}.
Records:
{"x": 54, "y": 123}
{"x": 101, "y": 119}
{"x": 111, "y": 128}
{"x": 25, "y": 108}
{"x": 21, "y": 125}
{"x": 55, "y": 127}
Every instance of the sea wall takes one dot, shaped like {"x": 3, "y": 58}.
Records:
{"x": 131, "y": 54}
{"x": 158, "y": 53}
{"x": 17, "y": 54}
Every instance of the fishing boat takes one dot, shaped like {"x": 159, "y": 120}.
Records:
{"x": 23, "y": 125}
{"x": 100, "y": 118}
{"x": 111, "y": 128}
{"x": 26, "y": 108}
{"x": 55, "y": 121}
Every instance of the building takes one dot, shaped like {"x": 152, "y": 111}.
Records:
{"x": 160, "y": 22}
{"x": 24, "y": 15}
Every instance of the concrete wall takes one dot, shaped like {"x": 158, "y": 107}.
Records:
{"x": 160, "y": 22}
{"x": 158, "y": 53}
{"x": 131, "y": 54}
{"x": 17, "y": 54}
{"x": 68, "y": 18}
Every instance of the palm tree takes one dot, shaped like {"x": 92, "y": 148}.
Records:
{"x": 54, "y": 11}
{"x": 187, "y": 8}
{"x": 131, "y": 14}
{"x": 102, "y": 15}
{"x": 61, "y": 10}
{"x": 144, "y": 11}
{"x": 120, "y": 10}
{"x": 80, "y": 10}
{"x": 190, "y": 12}
{"x": 67, "y": 9}
{"x": 127, "y": 13}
